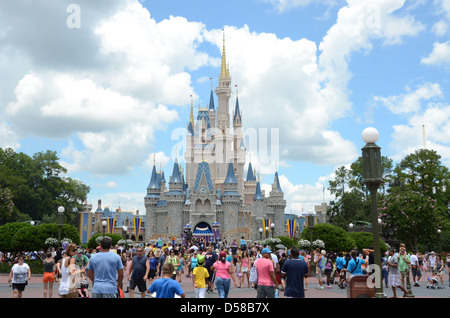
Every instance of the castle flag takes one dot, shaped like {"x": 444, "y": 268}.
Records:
{"x": 137, "y": 227}
{"x": 291, "y": 225}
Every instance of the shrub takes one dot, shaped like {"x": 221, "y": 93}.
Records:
{"x": 334, "y": 237}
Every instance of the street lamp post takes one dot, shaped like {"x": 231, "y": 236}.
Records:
{"x": 272, "y": 229}
{"x": 60, "y": 224}
{"x": 260, "y": 233}
{"x": 104, "y": 227}
{"x": 372, "y": 176}
{"x": 311, "y": 228}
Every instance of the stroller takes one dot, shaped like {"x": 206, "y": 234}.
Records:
{"x": 434, "y": 281}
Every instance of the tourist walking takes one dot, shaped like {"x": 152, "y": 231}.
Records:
{"x": 223, "y": 271}
{"x": 49, "y": 274}
{"x": 295, "y": 270}
{"x": 166, "y": 287}
{"x": 210, "y": 258}
{"x": 67, "y": 285}
{"x": 245, "y": 268}
{"x": 200, "y": 277}
{"x": 105, "y": 271}
{"x": 415, "y": 268}
{"x": 153, "y": 264}
{"x": 403, "y": 266}
{"x": 439, "y": 267}
{"x": 267, "y": 281}
{"x": 175, "y": 261}
{"x": 394, "y": 276}
{"x": 19, "y": 276}
{"x": 138, "y": 274}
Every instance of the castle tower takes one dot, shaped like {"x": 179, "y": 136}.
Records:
{"x": 276, "y": 205}
{"x": 223, "y": 137}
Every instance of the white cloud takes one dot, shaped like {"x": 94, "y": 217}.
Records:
{"x": 111, "y": 184}
{"x": 440, "y": 56}
{"x": 110, "y": 109}
{"x": 412, "y": 100}
{"x": 440, "y": 28}
{"x": 159, "y": 159}
{"x": 301, "y": 197}
{"x": 284, "y": 5}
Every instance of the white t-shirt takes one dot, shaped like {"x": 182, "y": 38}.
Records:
{"x": 20, "y": 273}
{"x": 414, "y": 260}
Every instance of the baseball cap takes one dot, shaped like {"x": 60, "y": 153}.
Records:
{"x": 266, "y": 250}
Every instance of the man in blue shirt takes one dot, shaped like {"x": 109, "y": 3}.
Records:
{"x": 166, "y": 287}
{"x": 105, "y": 271}
{"x": 340, "y": 265}
{"x": 295, "y": 270}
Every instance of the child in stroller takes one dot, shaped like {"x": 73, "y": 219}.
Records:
{"x": 434, "y": 281}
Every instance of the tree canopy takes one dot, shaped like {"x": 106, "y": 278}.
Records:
{"x": 31, "y": 187}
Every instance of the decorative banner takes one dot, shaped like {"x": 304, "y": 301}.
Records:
{"x": 137, "y": 227}
{"x": 85, "y": 227}
{"x": 291, "y": 225}
{"x": 111, "y": 225}
{"x": 266, "y": 225}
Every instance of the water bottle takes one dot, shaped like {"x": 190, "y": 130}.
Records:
{"x": 276, "y": 293}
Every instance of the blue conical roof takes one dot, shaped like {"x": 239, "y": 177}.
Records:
{"x": 258, "y": 194}
{"x": 230, "y": 179}
{"x": 278, "y": 182}
{"x": 154, "y": 180}
{"x": 211, "y": 101}
{"x": 190, "y": 129}
{"x": 175, "y": 177}
{"x": 250, "y": 175}
{"x": 237, "y": 112}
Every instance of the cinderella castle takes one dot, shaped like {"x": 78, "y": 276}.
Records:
{"x": 217, "y": 195}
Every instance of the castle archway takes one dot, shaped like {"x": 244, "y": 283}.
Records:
{"x": 203, "y": 231}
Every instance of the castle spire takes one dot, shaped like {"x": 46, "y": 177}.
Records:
{"x": 224, "y": 71}
{"x": 192, "y": 112}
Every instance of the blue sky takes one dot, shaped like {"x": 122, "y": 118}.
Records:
{"x": 107, "y": 84}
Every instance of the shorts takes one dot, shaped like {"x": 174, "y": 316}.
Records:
{"x": 403, "y": 275}
{"x": 152, "y": 273}
{"x": 48, "y": 277}
{"x": 19, "y": 287}
{"x": 139, "y": 283}
{"x": 394, "y": 279}
{"x": 319, "y": 273}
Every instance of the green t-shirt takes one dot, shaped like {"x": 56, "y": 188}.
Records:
{"x": 403, "y": 266}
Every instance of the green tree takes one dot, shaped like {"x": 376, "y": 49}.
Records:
{"x": 411, "y": 216}
{"x": 352, "y": 201}
{"x": 365, "y": 240}
{"x": 334, "y": 237}
{"x": 37, "y": 186}
{"x": 416, "y": 205}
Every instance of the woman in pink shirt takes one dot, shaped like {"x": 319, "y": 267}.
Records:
{"x": 223, "y": 270}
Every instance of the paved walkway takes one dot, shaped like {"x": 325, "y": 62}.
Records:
{"x": 35, "y": 290}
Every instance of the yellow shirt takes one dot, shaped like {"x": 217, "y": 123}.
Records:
{"x": 201, "y": 274}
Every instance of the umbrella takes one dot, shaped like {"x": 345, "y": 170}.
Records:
{"x": 280, "y": 246}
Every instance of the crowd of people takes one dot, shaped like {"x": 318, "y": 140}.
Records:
{"x": 157, "y": 269}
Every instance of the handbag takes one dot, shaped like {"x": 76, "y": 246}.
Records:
{"x": 253, "y": 279}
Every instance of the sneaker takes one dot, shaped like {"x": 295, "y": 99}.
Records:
{"x": 320, "y": 287}
{"x": 330, "y": 287}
